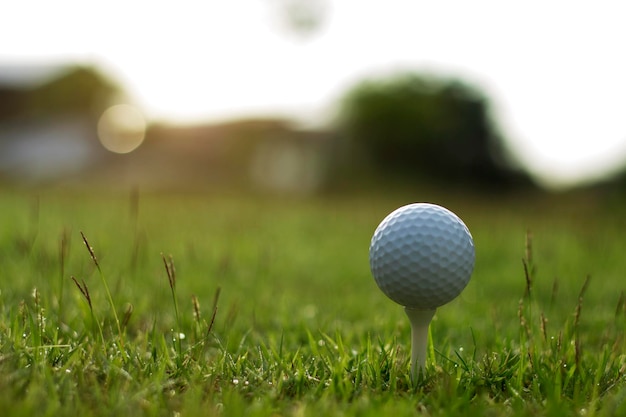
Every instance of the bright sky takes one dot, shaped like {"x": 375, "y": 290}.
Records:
{"x": 554, "y": 70}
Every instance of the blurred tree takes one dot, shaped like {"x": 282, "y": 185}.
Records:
{"x": 55, "y": 90}
{"x": 414, "y": 125}
{"x": 80, "y": 90}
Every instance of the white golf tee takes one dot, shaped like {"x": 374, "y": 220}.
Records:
{"x": 420, "y": 320}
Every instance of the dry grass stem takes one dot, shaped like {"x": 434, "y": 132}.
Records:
{"x": 83, "y": 290}
{"x": 90, "y": 249}
{"x": 215, "y": 300}
{"x": 170, "y": 270}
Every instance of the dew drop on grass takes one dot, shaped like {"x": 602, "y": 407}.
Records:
{"x": 177, "y": 336}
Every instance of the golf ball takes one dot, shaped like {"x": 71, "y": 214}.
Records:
{"x": 422, "y": 256}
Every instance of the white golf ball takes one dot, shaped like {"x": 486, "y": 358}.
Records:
{"x": 422, "y": 256}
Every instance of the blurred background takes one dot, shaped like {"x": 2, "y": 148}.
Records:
{"x": 313, "y": 96}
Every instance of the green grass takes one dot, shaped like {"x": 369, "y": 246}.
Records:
{"x": 195, "y": 304}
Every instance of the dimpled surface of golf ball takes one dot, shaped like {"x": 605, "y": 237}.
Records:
{"x": 422, "y": 256}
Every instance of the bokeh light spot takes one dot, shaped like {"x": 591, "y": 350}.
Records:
{"x": 121, "y": 128}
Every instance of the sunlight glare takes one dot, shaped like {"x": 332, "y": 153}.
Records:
{"x": 121, "y": 128}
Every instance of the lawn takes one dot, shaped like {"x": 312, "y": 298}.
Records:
{"x": 203, "y": 304}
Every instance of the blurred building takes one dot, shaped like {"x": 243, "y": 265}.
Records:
{"x": 52, "y": 130}
{"x": 47, "y": 120}
{"x": 263, "y": 154}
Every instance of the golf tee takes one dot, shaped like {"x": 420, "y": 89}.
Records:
{"x": 420, "y": 320}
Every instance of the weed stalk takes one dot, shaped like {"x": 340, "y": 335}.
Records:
{"x": 106, "y": 288}
{"x": 579, "y": 306}
{"x": 171, "y": 277}
{"x": 84, "y": 290}
{"x": 64, "y": 245}
{"x": 216, "y": 298}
